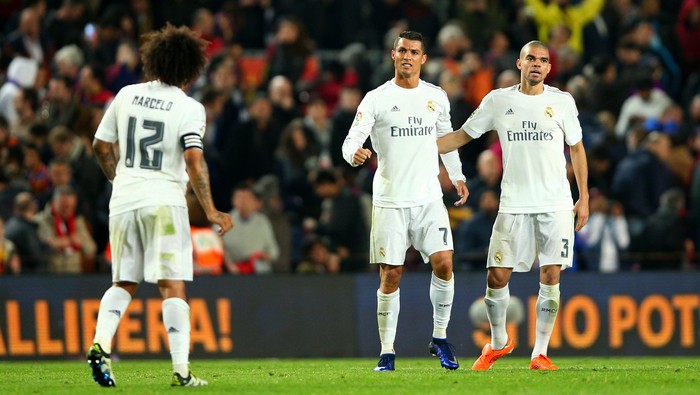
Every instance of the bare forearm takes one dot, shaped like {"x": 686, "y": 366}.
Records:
{"x": 580, "y": 166}
{"x": 199, "y": 179}
{"x": 452, "y": 141}
{"x": 106, "y": 159}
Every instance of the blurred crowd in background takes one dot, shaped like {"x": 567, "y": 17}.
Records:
{"x": 281, "y": 89}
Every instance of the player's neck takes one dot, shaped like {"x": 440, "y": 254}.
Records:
{"x": 528, "y": 89}
{"x": 406, "y": 82}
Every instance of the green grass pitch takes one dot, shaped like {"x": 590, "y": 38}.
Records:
{"x": 588, "y": 375}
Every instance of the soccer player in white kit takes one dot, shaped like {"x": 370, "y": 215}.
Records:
{"x": 536, "y": 213}
{"x": 158, "y": 130}
{"x": 403, "y": 117}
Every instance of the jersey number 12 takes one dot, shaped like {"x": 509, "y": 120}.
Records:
{"x": 146, "y": 162}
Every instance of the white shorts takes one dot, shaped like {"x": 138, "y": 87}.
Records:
{"x": 517, "y": 239}
{"x": 151, "y": 244}
{"x": 394, "y": 230}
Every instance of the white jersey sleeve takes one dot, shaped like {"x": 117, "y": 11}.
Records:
{"x": 451, "y": 160}
{"x": 360, "y": 129}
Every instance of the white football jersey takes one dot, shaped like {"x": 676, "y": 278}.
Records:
{"x": 404, "y": 125}
{"x": 147, "y": 121}
{"x": 532, "y": 130}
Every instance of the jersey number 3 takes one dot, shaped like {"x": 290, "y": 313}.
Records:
{"x": 147, "y": 162}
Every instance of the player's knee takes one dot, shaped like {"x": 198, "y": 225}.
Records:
{"x": 497, "y": 279}
{"x": 442, "y": 265}
{"x": 390, "y": 277}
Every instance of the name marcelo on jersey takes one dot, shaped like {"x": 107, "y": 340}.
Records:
{"x": 149, "y": 102}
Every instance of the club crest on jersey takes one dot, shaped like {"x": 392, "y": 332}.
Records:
{"x": 431, "y": 106}
{"x": 474, "y": 112}
{"x": 548, "y": 112}
{"x": 498, "y": 257}
{"x": 358, "y": 118}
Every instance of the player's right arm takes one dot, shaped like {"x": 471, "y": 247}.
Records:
{"x": 198, "y": 173}
{"x": 353, "y": 151}
{"x": 106, "y": 158}
{"x": 452, "y": 141}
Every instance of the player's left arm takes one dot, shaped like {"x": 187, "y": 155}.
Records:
{"x": 198, "y": 173}
{"x": 580, "y": 165}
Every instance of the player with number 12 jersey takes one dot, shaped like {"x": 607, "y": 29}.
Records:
{"x": 151, "y": 121}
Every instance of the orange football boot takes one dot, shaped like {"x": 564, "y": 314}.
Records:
{"x": 542, "y": 362}
{"x": 489, "y": 355}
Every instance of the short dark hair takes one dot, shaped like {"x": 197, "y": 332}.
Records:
{"x": 410, "y": 35}
{"x": 173, "y": 55}
{"x": 31, "y": 96}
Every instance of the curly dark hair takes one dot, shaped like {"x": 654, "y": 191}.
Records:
{"x": 173, "y": 55}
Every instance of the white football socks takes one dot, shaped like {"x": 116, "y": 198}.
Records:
{"x": 496, "y": 307}
{"x": 388, "y": 306}
{"x": 547, "y": 308}
{"x": 176, "y": 318}
{"x": 442, "y": 293}
{"x": 112, "y": 307}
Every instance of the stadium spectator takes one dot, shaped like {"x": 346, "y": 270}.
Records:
{"x": 26, "y": 41}
{"x": 93, "y": 90}
{"x": 73, "y": 248}
{"x": 688, "y": 31}
{"x": 268, "y": 189}
{"x": 340, "y": 221}
{"x": 648, "y": 102}
{"x": 21, "y": 73}
{"x": 150, "y": 231}
{"x": 403, "y": 118}
{"x": 251, "y": 247}
{"x": 67, "y": 24}
{"x": 574, "y": 15}
{"x": 489, "y": 170}
{"x": 86, "y": 174}
{"x": 662, "y": 243}
{"x": 606, "y": 236}
{"x": 281, "y": 94}
{"x": 499, "y": 55}
{"x": 481, "y": 19}
{"x": 320, "y": 129}
{"x": 452, "y": 43}
{"x": 477, "y": 79}
{"x": 317, "y": 257}
{"x": 296, "y": 157}
{"x": 61, "y": 107}
{"x": 36, "y": 171}
{"x": 9, "y": 260}
{"x": 204, "y": 23}
{"x": 252, "y": 148}
{"x": 22, "y": 230}
{"x": 341, "y": 120}
{"x": 26, "y": 108}
{"x": 292, "y": 54}
{"x": 68, "y": 62}
{"x": 641, "y": 178}
{"x": 535, "y": 213}
{"x": 473, "y": 234}
{"x": 125, "y": 69}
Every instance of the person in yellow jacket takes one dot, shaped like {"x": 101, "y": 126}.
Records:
{"x": 549, "y": 13}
